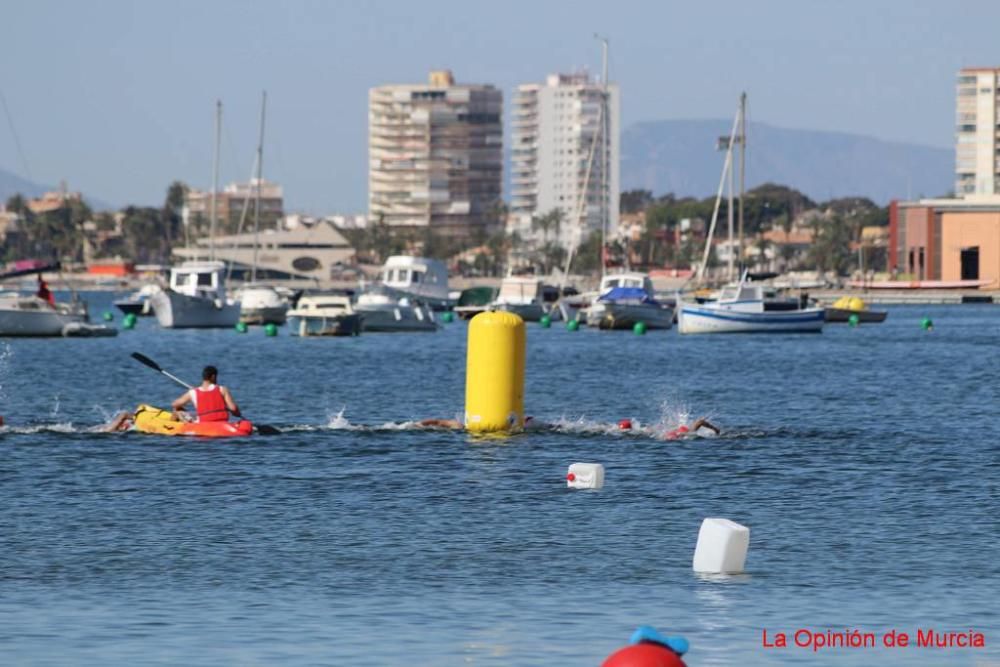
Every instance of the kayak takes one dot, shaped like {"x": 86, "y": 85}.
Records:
{"x": 163, "y": 422}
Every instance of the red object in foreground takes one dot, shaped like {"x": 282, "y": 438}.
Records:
{"x": 643, "y": 655}
{"x": 215, "y": 429}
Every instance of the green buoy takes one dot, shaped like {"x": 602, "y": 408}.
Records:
{"x": 545, "y": 321}
{"x": 639, "y": 328}
{"x": 853, "y": 320}
{"x": 129, "y": 321}
{"x": 447, "y": 317}
{"x": 270, "y": 329}
{"x": 927, "y": 324}
{"x": 241, "y": 327}
{"x": 107, "y": 315}
{"x": 572, "y": 325}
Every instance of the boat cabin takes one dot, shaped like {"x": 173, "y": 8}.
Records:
{"x": 198, "y": 279}
{"x": 324, "y": 304}
{"x": 613, "y": 280}
{"x": 417, "y": 275}
{"x": 742, "y": 296}
{"x": 519, "y": 291}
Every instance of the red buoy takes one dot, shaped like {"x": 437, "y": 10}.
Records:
{"x": 646, "y": 654}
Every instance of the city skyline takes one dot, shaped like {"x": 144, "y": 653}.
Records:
{"x": 119, "y": 101}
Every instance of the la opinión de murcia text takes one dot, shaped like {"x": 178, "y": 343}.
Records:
{"x": 819, "y": 640}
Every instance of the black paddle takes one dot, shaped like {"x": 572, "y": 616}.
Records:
{"x": 262, "y": 429}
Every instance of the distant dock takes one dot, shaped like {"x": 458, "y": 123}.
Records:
{"x": 909, "y": 296}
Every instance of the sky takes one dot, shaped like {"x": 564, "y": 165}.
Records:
{"x": 117, "y": 98}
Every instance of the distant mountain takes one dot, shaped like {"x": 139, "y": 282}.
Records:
{"x": 12, "y": 184}
{"x": 679, "y": 156}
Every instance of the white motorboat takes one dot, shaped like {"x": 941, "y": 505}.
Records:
{"x": 740, "y": 309}
{"x": 383, "y": 309}
{"x": 624, "y": 307}
{"x": 426, "y": 280}
{"x": 138, "y": 303}
{"x": 196, "y": 298}
{"x": 625, "y": 300}
{"x": 521, "y": 296}
{"x": 261, "y": 304}
{"x": 22, "y": 315}
{"x": 324, "y": 315}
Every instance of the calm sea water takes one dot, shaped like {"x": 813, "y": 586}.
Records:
{"x": 865, "y": 461}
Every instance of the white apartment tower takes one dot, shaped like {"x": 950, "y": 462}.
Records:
{"x": 435, "y": 155}
{"x": 557, "y": 137}
{"x": 977, "y": 146}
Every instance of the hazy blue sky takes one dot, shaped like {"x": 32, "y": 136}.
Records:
{"x": 117, "y": 97}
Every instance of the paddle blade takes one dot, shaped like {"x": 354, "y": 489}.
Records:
{"x": 143, "y": 359}
{"x": 265, "y": 429}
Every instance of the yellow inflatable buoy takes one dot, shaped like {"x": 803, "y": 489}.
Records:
{"x": 494, "y": 374}
{"x": 856, "y": 304}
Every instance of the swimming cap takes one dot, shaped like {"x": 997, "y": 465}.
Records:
{"x": 625, "y": 424}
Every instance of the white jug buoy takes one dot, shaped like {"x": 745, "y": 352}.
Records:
{"x": 722, "y": 547}
{"x": 585, "y": 476}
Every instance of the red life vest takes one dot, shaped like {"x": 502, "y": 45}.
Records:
{"x": 209, "y": 404}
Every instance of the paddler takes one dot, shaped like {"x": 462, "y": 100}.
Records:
{"x": 212, "y": 402}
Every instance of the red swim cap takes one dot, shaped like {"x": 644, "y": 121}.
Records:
{"x": 682, "y": 429}
{"x": 625, "y": 424}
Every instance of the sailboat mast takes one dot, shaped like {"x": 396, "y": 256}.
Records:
{"x": 743, "y": 154}
{"x": 605, "y": 193}
{"x": 729, "y": 211}
{"x": 215, "y": 178}
{"x": 256, "y": 207}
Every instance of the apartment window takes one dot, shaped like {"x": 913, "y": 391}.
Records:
{"x": 967, "y": 128}
{"x": 985, "y": 91}
{"x": 963, "y": 92}
{"x": 966, "y": 79}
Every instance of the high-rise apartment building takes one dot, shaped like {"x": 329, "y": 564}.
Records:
{"x": 435, "y": 154}
{"x": 559, "y": 135}
{"x": 977, "y": 144}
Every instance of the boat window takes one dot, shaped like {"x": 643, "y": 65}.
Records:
{"x": 204, "y": 279}
{"x": 729, "y": 293}
{"x": 614, "y": 282}
{"x": 416, "y": 276}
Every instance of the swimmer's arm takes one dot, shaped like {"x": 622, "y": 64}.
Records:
{"x": 440, "y": 423}
{"x": 707, "y": 424}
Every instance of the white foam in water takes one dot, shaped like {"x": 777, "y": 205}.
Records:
{"x": 585, "y": 476}
{"x": 722, "y": 547}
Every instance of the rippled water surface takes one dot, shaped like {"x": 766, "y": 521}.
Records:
{"x": 865, "y": 461}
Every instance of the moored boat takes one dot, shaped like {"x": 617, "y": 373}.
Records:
{"x": 138, "y": 303}
{"x": 324, "y": 315}
{"x": 261, "y": 304}
{"x": 196, "y": 298}
{"x": 521, "y": 296}
{"x": 624, "y": 307}
{"x": 420, "y": 278}
{"x": 845, "y": 307}
{"x": 740, "y": 309}
{"x": 385, "y": 310}
{"x": 29, "y": 315}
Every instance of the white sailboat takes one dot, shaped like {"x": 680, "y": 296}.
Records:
{"x": 740, "y": 307}
{"x": 196, "y": 295}
{"x": 31, "y": 316}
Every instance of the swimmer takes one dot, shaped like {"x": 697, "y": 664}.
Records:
{"x": 122, "y": 422}
{"x": 680, "y": 431}
{"x": 684, "y": 430}
{"x": 530, "y": 424}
